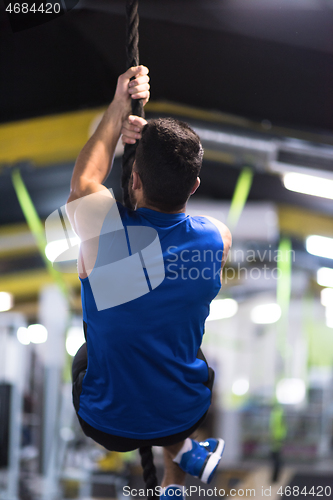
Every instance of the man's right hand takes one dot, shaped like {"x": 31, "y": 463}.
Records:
{"x": 127, "y": 89}
{"x": 131, "y": 129}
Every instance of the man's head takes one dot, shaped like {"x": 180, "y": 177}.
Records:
{"x": 168, "y": 160}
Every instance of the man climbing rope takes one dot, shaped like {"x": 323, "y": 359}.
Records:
{"x": 141, "y": 378}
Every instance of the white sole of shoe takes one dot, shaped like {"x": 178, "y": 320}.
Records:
{"x": 213, "y": 461}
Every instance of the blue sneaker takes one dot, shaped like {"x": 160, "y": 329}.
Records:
{"x": 203, "y": 459}
{"x": 173, "y": 491}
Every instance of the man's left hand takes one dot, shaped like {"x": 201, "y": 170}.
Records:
{"x": 131, "y": 129}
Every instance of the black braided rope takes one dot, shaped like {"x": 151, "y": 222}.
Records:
{"x": 149, "y": 471}
{"x": 132, "y": 59}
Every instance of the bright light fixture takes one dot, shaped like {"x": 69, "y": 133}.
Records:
{"x": 309, "y": 184}
{"x": 67, "y": 434}
{"x": 326, "y": 297}
{"x": 57, "y": 247}
{"x": 329, "y": 316}
{"x": 74, "y": 340}
{"x": 329, "y": 322}
{"x": 325, "y": 276}
{"x": 329, "y": 313}
{"x": 222, "y": 309}
{"x": 37, "y": 334}
{"x": 290, "y": 391}
{"x": 320, "y": 245}
{"x": 266, "y": 314}
{"x": 23, "y": 335}
{"x": 240, "y": 387}
{"x": 6, "y": 301}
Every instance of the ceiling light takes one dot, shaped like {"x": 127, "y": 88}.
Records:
{"x": 325, "y": 276}
{"x": 37, "y": 334}
{"x": 326, "y": 297}
{"x": 74, "y": 340}
{"x": 23, "y": 335}
{"x": 57, "y": 247}
{"x": 309, "y": 184}
{"x": 329, "y": 316}
{"x": 329, "y": 322}
{"x": 222, "y": 309}
{"x": 240, "y": 387}
{"x": 266, "y": 314}
{"x": 320, "y": 246}
{"x": 6, "y": 301}
{"x": 290, "y": 391}
{"x": 67, "y": 434}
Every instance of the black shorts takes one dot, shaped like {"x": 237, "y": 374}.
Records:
{"x": 119, "y": 443}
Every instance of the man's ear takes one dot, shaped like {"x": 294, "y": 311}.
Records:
{"x": 137, "y": 184}
{"x": 196, "y": 185}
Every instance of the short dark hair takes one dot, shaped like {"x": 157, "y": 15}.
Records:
{"x": 168, "y": 159}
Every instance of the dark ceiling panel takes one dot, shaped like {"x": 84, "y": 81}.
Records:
{"x": 51, "y": 69}
{"x": 73, "y": 62}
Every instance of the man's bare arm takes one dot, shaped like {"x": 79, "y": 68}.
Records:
{"x": 225, "y": 235}
{"x": 94, "y": 162}
{"x": 89, "y": 201}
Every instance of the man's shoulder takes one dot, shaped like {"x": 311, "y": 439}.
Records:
{"x": 209, "y": 221}
{"x": 221, "y": 228}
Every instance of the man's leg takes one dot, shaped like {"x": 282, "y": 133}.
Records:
{"x": 173, "y": 474}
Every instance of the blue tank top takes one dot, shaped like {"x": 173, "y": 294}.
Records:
{"x": 144, "y": 379}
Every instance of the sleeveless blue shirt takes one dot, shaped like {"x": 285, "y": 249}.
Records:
{"x": 144, "y": 379}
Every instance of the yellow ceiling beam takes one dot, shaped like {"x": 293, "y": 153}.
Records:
{"x": 16, "y": 240}
{"x": 219, "y": 156}
{"x": 59, "y": 138}
{"x": 46, "y": 140}
{"x": 28, "y": 283}
{"x": 300, "y": 222}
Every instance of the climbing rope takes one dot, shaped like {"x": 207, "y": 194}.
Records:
{"x": 149, "y": 471}
{"x": 132, "y": 59}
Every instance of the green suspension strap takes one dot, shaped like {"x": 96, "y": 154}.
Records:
{"x": 278, "y": 425}
{"x": 36, "y": 227}
{"x": 283, "y": 292}
{"x": 240, "y": 196}
{"x": 309, "y": 326}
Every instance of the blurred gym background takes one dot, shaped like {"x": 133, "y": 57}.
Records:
{"x": 254, "y": 79}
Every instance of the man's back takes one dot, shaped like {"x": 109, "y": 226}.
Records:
{"x": 142, "y": 355}
{"x": 141, "y": 373}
